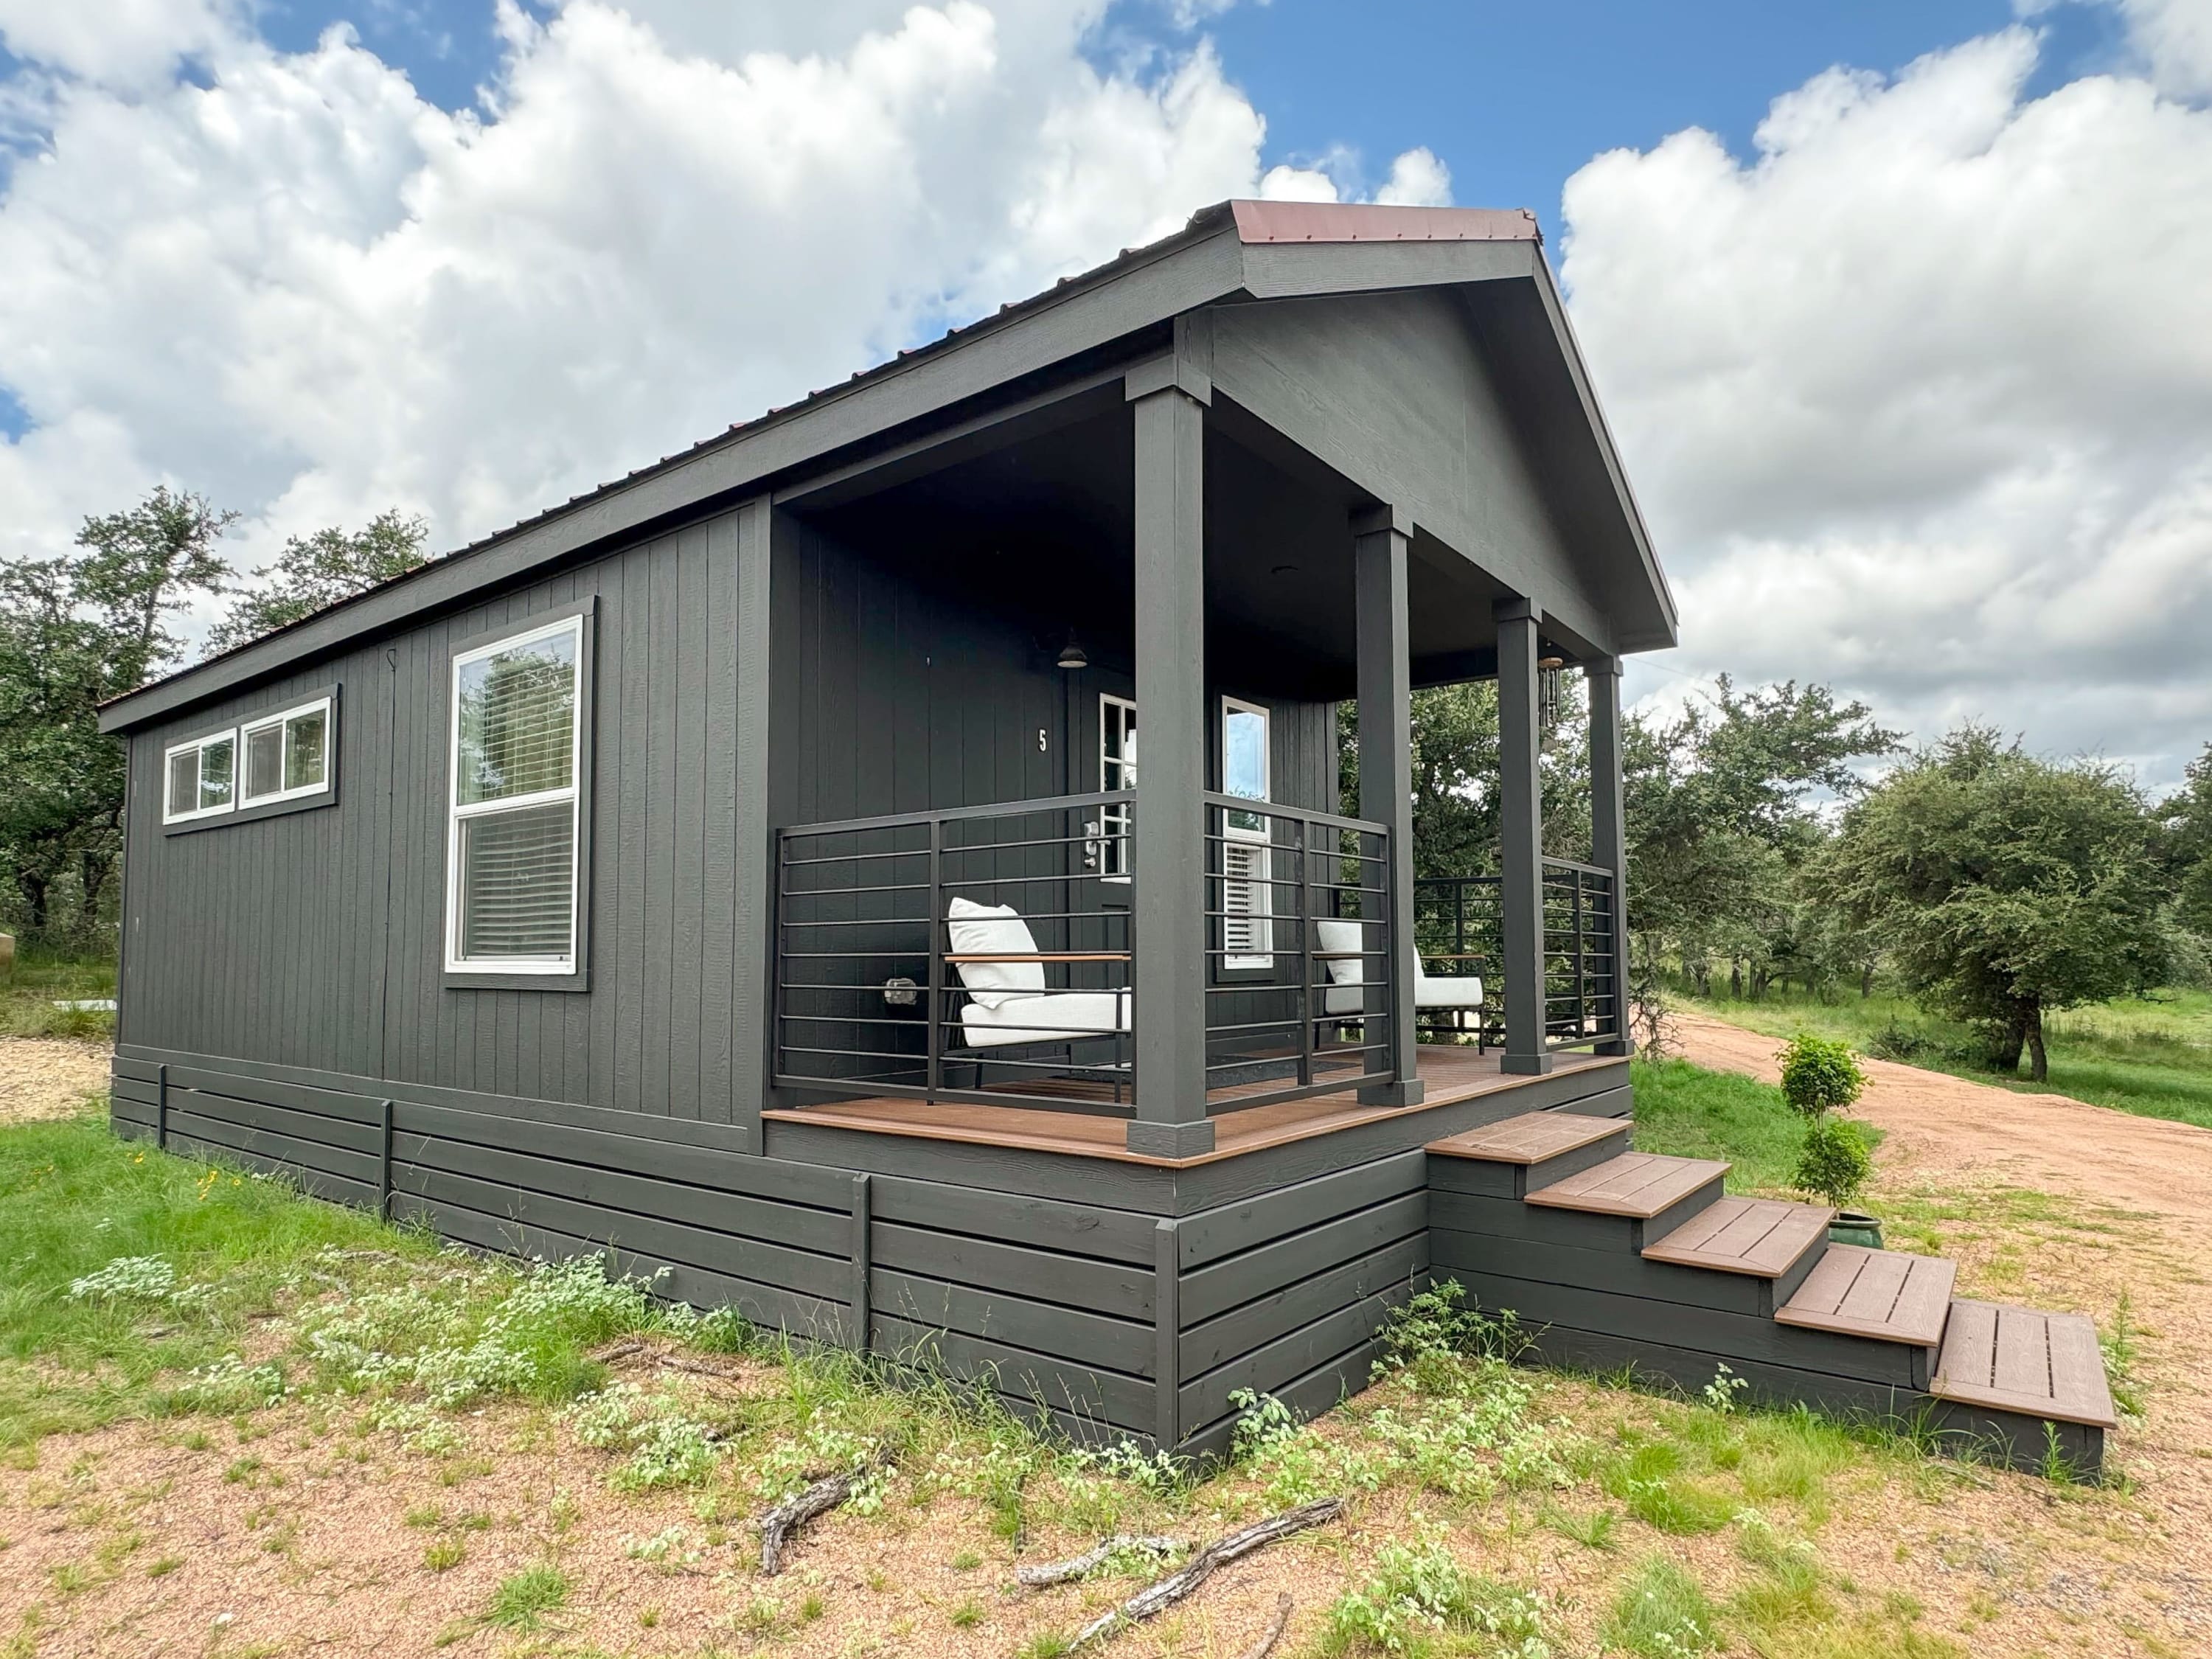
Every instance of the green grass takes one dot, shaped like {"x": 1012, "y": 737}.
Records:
{"x": 1661, "y": 1614}
{"x": 1689, "y": 1112}
{"x": 2149, "y": 1055}
{"x": 43, "y": 978}
{"x": 74, "y": 1199}
{"x": 522, "y": 1601}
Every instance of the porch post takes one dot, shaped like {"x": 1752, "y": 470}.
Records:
{"x": 1521, "y": 860}
{"x": 1386, "y": 778}
{"x": 754, "y": 986}
{"x": 1168, "y": 862}
{"x": 1609, "y": 828}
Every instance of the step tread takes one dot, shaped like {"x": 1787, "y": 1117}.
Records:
{"x": 1763, "y": 1238}
{"x": 1638, "y": 1185}
{"x": 2024, "y": 1360}
{"x": 1886, "y": 1295}
{"x": 1532, "y": 1138}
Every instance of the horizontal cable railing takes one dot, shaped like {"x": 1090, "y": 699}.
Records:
{"x": 1457, "y": 923}
{"x": 1581, "y": 981}
{"x": 1458, "y": 930}
{"x": 1298, "y": 953}
{"x": 880, "y": 990}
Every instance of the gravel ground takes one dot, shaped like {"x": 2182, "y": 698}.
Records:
{"x": 46, "y": 1078}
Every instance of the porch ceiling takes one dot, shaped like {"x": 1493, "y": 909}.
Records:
{"x": 1040, "y": 530}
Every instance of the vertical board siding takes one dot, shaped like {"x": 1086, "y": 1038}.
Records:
{"x": 315, "y": 939}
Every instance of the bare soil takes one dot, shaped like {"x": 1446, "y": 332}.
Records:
{"x": 301, "y": 1531}
{"x": 48, "y": 1076}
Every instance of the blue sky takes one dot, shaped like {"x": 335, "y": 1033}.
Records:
{"x": 1514, "y": 98}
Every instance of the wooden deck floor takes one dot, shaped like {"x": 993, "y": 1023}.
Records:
{"x": 1452, "y": 1073}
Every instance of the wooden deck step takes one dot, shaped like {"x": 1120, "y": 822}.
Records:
{"x": 1884, "y": 1295}
{"x": 1638, "y": 1185}
{"x": 1531, "y": 1137}
{"x": 1763, "y": 1238}
{"x": 2001, "y": 1357}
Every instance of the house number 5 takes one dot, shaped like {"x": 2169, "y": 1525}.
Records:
{"x": 1041, "y": 742}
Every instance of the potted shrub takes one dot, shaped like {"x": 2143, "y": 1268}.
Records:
{"x": 1820, "y": 1078}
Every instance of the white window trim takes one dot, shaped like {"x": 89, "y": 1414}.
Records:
{"x": 262, "y": 723}
{"x": 1114, "y": 820}
{"x": 197, "y": 745}
{"x": 456, "y": 813}
{"x": 1262, "y": 839}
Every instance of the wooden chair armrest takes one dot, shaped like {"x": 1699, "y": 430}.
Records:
{"x": 1040, "y": 955}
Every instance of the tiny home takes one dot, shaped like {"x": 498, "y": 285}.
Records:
{"x": 748, "y": 868}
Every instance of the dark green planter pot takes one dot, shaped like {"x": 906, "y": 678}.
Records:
{"x": 1855, "y": 1227}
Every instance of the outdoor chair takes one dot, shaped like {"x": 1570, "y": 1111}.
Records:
{"x": 1342, "y": 948}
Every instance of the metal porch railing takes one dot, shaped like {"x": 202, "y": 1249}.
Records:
{"x": 870, "y": 998}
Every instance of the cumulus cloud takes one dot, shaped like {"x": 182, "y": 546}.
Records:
{"x": 287, "y": 280}
{"x": 1918, "y": 397}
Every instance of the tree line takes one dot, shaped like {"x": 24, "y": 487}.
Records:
{"x": 1780, "y": 835}
{"x": 89, "y": 624}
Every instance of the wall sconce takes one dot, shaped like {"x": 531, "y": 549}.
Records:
{"x": 1073, "y": 656}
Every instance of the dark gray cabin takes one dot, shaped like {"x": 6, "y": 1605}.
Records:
{"x": 745, "y": 866}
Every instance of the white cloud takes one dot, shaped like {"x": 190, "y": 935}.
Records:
{"x": 131, "y": 43}
{"x": 289, "y": 282}
{"x": 1417, "y": 179}
{"x": 1919, "y": 398}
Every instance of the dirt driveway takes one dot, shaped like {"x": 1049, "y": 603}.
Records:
{"x": 1972, "y": 1160}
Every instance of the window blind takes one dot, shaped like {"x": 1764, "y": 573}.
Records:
{"x": 517, "y": 869}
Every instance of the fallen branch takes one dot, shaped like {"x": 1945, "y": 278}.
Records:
{"x": 779, "y": 1525}
{"x": 1274, "y": 1633}
{"x": 1163, "y": 1593}
{"x": 1058, "y": 1572}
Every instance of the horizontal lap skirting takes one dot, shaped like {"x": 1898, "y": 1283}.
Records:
{"x": 1101, "y": 1318}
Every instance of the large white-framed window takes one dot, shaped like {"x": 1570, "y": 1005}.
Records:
{"x": 1117, "y": 769}
{"x": 287, "y": 756}
{"x": 515, "y": 818}
{"x": 1248, "y": 905}
{"x": 200, "y": 778}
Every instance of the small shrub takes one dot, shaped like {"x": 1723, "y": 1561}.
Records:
{"x": 1820, "y": 1075}
{"x": 1900, "y": 1042}
{"x": 1438, "y": 1323}
{"x": 1833, "y": 1163}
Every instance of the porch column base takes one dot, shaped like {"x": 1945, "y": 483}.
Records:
{"x": 1411, "y": 1092}
{"x": 1620, "y": 1050}
{"x": 1525, "y": 1065}
{"x": 1171, "y": 1139}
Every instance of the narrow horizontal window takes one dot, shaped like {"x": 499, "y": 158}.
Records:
{"x": 517, "y": 746}
{"x": 201, "y": 776}
{"x": 288, "y": 755}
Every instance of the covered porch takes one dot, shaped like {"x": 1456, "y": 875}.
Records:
{"x": 1205, "y": 955}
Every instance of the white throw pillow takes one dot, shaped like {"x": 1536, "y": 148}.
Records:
{"x": 1333, "y": 936}
{"x": 993, "y": 930}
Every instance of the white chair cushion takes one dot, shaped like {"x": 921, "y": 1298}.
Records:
{"x": 1054, "y": 1016}
{"x": 1345, "y": 974}
{"x": 993, "y": 929}
{"x": 1447, "y": 991}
